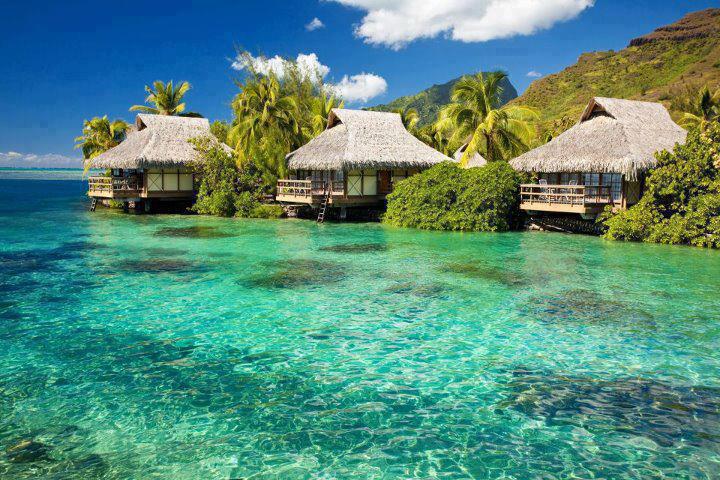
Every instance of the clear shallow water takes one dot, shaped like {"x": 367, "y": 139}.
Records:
{"x": 188, "y": 347}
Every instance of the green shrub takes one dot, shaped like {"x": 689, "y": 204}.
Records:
{"x": 267, "y": 211}
{"x": 447, "y": 197}
{"x": 681, "y": 203}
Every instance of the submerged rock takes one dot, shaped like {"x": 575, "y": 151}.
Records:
{"x": 485, "y": 272}
{"x": 355, "y": 248}
{"x": 162, "y": 251}
{"x": 435, "y": 290}
{"x": 297, "y": 274}
{"x": 197, "y": 231}
{"x": 665, "y": 413}
{"x": 28, "y": 451}
{"x": 584, "y": 306}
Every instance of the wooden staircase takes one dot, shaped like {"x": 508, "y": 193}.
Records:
{"x": 324, "y": 205}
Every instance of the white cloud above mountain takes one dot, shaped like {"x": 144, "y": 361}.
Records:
{"x": 395, "y": 23}
{"x": 534, "y": 74}
{"x": 352, "y": 89}
{"x": 315, "y": 24}
{"x": 33, "y": 160}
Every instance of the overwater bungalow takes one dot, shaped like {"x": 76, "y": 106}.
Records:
{"x": 355, "y": 162}
{"x": 152, "y": 164}
{"x": 600, "y": 161}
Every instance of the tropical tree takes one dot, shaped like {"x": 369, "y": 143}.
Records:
{"x": 475, "y": 116}
{"x": 436, "y": 137}
{"x": 267, "y": 124}
{"x": 98, "y": 136}
{"x": 166, "y": 98}
{"x": 410, "y": 118}
{"x": 701, "y": 110}
{"x": 319, "y": 111}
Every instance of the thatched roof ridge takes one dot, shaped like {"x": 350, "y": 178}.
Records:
{"x": 612, "y": 136}
{"x": 160, "y": 141}
{"x": 356, "y": 139}
{"x": 477, "y": 160}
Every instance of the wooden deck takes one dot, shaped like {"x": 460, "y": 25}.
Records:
{"x": 130, "y": 188}
{"x": 581, "y": 199}
{"x": 312, "y": 192}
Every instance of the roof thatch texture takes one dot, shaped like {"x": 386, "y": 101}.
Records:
{"x": 477, "y": 160}
{"x": 357, "y": 139}
{"x": 160, "y": 141}
{"x": 612, "y": 136}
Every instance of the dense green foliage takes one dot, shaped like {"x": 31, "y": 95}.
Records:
{"x": 275, "y": 115}
{"x": 225, "y": 189}
{"x": 447, "y": 197}
{"x": 429, "y": 102}
{"x": 701, "y": 107}
{"x": 656, "y": 67}
{"x": 166, "y": 98}
{"x": 98, "y": 136}
{"x": 681, "y": 204}
{"x": 475, "y": 116}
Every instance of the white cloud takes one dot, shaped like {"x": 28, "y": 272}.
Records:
{"x": 352, "y": 88}
{"x": 534, "y": 74}
{"x": 309, "y": 65}
{"x": 314, "y": 24}
{"x": 360, "y": 88}
{"x": 32, "y": 160}
{"x": 395, "y": 23}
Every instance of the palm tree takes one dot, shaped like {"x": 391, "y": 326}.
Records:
{"x": 320, "y": 108}
{"x": 409, "y": 117}
{"x": 167, "y": 99}
{"x": 702, "y": 110}
{"x": 496, "y": 132}
{"x": 436, "y": 137}
{"x": 100, "y": 135}
{"x": 267, "y": 123}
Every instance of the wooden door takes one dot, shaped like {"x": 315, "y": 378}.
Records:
{"x": 384, "y": 185}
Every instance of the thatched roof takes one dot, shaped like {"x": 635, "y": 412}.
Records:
{"x": 356, "y": 139}
{"x": 477, "y": 160}
{"x": 612, "y": 136}
{"x": 160, "y": 141}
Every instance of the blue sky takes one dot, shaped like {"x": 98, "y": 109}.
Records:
{"x": 69, "y": 61}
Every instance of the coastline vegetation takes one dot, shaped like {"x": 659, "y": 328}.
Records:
{"x": 681, "y": 203}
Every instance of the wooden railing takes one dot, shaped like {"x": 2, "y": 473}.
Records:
{"x": 571, "y": 195}
{"x": 114, "y": 184}
{"x": 309, "y": 188}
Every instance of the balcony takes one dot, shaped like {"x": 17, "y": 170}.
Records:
{"x": 115, "y": 187}
{"x": 582, "y": 199}
{"x": 307, "y": 191}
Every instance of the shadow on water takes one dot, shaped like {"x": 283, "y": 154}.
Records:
{"x": 585, "y": 307}
{"x": 481, "y": 271}
{"x": 429, "y": 291}
{"x": 158, "y": 265}
{"x": 289, "y": 274}
{"x": 197, "y": 231}
{"x": 666, "y": 414}
{"x": 357, "y": 248}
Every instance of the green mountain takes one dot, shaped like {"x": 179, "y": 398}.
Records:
{"x": 661, "y": 66}
{"x": 429, "y": 102}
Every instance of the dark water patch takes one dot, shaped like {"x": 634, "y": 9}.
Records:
{"x": 432, "y": 290}
{"x": 662, "y": 412}
{"x": 35, "y": 260}
{"x": 490, "y": 273}
{"x": 165, "y": 252}
{"x": 291, "y": 274}
{"x": 28, "y": 451}
{"x": 355, "y": 248}
{"x": 158, "y": 265}
{"x": 587, "y": 307}
{"x": 197, "y": 231}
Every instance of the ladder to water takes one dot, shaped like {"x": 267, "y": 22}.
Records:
{"x": 93, "y": 204}
{"x": 324, "y": 206}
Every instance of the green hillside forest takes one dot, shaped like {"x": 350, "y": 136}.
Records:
{"x": 430, "y": 101}
{"x": 661, "y": 66}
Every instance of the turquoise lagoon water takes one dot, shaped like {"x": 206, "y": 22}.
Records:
{"x": 189, "y": 347}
